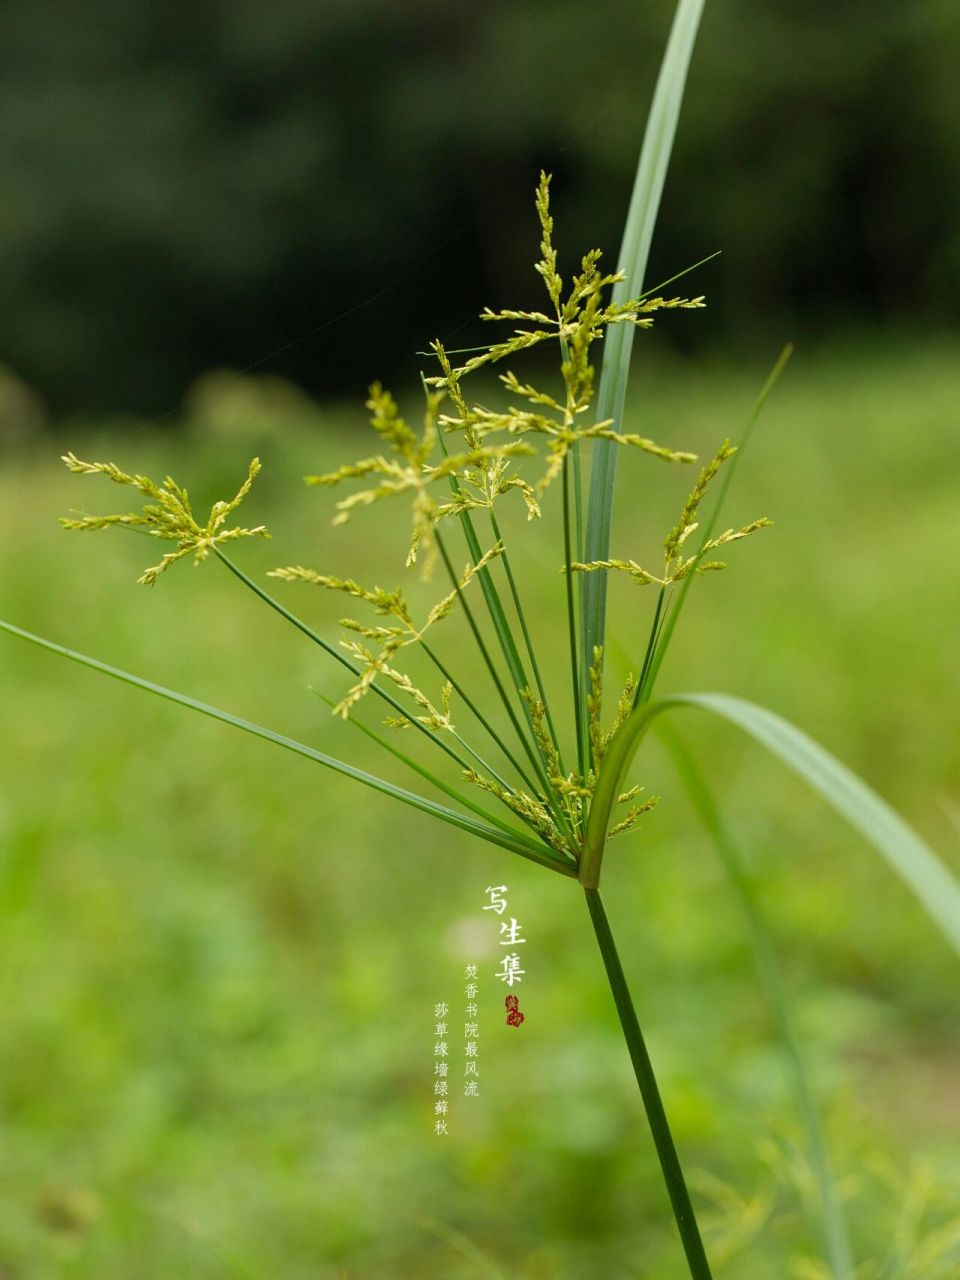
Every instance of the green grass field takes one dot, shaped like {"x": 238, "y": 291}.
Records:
{"x": 219, "y": 962}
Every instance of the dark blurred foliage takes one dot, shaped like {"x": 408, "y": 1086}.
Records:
{"x": 186, "y": 185}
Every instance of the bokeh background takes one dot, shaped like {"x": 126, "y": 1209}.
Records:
{"x": 218, "y": 966}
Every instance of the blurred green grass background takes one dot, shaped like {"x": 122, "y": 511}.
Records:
{"x": 219, "y": 962}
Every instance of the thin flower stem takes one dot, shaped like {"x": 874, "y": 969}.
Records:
{"x": 572, "y": 624}
{"x": 472, "y": 706}
{"x": 533, "y": 756}
{"x": 538, "y": 756}
{"x": 578, "y": 498}
{"x": 508, "y": 646}
{"x": 327, "y": 647}
{"x": 577, "y": 468}
{"x": 485, "y": 654}
{"x": 484, "y": 764}
{"x": 641, "y": 695}
{"x": 650, "y": 1093}
{"x": 393, "y": 702}
{"x": 583, "y": 669}
{"x": 468, "y": 803}
{"x": 527, "y": 640}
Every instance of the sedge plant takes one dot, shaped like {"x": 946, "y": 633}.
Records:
{"x": 503, "y": 754}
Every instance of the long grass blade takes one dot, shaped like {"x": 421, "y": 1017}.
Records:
{"x": 515, "y": 844}
{"x": 836, "y": 1235}
{"x": 618, "y": 343}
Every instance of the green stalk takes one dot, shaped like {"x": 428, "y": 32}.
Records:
{"x": 650, "y": 1093}
{"x": 578, "y": 707}
{"x": 393, "y": 702}
{"x": 472, "y": 706}
{"x": 511, "y": 654}
{"x": 651, "y": 647}
{"x": 493, "y": 818}
{"x": 495, "y": 608}
{"x": 527, "y": 640}
{"x": 509, "y": 650}
{"x": 327, "y": 647}
{"x": 659, "y": 288}
{"x": 488, "y": 660}
{"x": 535, "y": 752}
{"x": 508, "y": 647}
{"x": 581, "y": 691}
{"x": 578, "y": 498}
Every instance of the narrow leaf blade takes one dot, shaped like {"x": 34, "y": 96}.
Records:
{"x": 904, "y": 851}
{"x": 450, "y": 816}
{"x": 618, "y": 343}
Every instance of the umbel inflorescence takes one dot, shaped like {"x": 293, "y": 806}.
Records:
{"x": 556, "y": 797}
{"x": 455, "y": 468}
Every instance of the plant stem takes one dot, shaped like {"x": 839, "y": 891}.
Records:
{"x": 578, "y": 499}
{"x": 327, "y": 647}
{"x": 488, "y": 660}
{"x": 640, "y": 696}
{"x": 472, "y": 706}
{"x": 398, "y": 707}
{"x": 582, "y": 736}
{"x": 528, "y": 642}
{"x": 508, "y": 647}
{"x": 533, "y": 752}
{"x": 494, "y": 819}
{"x": 650, "y": 1093}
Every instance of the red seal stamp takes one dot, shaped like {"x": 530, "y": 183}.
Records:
{"x": 514, "y": 1016}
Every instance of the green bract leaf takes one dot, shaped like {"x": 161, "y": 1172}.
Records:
{"x": 905, "y": 852}
{"x": 517, "y": 843}
{"x": 637, "y": 235}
